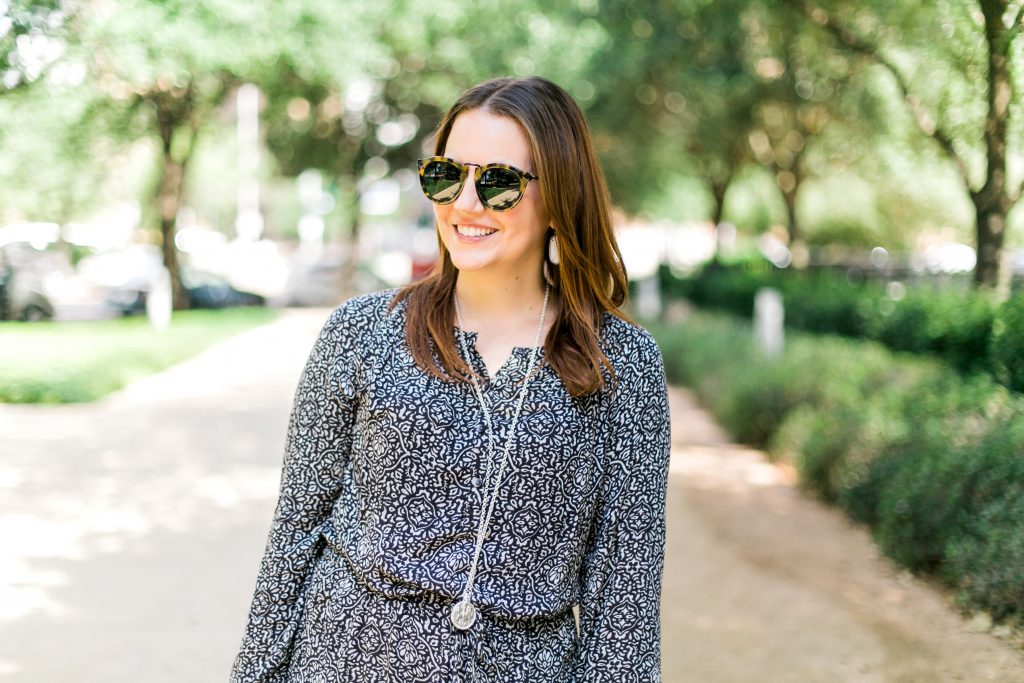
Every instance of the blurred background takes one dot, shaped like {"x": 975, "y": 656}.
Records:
{"x": 817, "y": 202}
{"x": 267, "y": 153}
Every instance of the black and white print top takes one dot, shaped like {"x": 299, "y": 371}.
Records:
{"x": 385, "y": 463}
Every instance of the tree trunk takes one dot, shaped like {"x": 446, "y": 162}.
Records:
{"x": 992, "y": 202}
{"x": 718, "y": 190}
{"x": 718, "y": 193}
{"x": 168, "y": 196}
{"x": 791, "y": 225}
{"x": 175, "y": 112}
{"x": 788, "y": 181}
{"x": 991, "y": 230}
{"x": 350, "y": 272}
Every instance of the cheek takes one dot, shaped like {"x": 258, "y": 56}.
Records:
{"x": 541, "y": 218}
{"x": 538, "y": 221}
{"x": 441, "y": 215}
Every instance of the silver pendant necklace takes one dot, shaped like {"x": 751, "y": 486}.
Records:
{"x": 463, "y": 614}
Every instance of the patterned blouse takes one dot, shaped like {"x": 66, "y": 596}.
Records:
{"x": 384, "y": 465}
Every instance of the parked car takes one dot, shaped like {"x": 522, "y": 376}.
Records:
{"x": 204, "y": 290}
{"x": 315, "y": 284}
{"x": 207, "y": 290}
{"x": 21, "y": 284}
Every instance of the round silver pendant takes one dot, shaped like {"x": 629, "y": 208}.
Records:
{"x": 463, "y": 614}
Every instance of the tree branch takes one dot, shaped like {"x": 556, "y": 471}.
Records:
{"x": 857, "y": 44}
{"x": 1016, "y": 24}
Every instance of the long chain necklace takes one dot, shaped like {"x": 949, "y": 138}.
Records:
{"x": 463, "y": 613}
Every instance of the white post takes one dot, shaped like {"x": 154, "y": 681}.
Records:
{"x": 158, "y": 300}
{"x": 249, "y": 221}
{"x": 769, "y": 316}
{"x": 648, "y": 297}
{"x": 310, "y": 186}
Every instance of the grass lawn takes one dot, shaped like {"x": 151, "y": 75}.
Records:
{"x": 72, "y": 362}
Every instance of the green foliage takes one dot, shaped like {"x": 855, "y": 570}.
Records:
{"x": 31, "y": 38}
{"x": 775, "y": 388}
{"x": 753, "y": 202}
{"x": 696, "y": 107}
{"x": 731, "y": 289}
{"x": 930, "y": 459}
{"x": 841, "y": 440}
{"x": 1008, "y": 342}
{"x": 954, "y": 324}
{"x": 988, "y": 559}
{"x": 928, "y": 498}
{"x": 36, "y": 124}
{"x": 828, "y": 302}
{"x": 842, "y": 208}
{"x": 850, "y": 233}
{"x": 956, "y": 508}
{"x": 948, "y": 67}
{"x": 80, "y": 362}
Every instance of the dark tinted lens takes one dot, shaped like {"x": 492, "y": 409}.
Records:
{"x": 440, "y": 181}
{"x": 499, "y": 188}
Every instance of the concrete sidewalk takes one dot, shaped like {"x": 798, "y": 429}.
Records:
{"x": 131, "y": 531}
{"x": 131, "y": 528}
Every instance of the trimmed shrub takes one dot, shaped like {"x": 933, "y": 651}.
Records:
{"x": 728, "y": 288}
{"x": 931, "y": 459}
{"x": 962, "y": 326}
{"x": 826, "y": 303}
{"x": 987, "y": 562}
{"x": 1008, "y": 343}
{"x": 986, "y": 559}
{"x": 955, "y": 325}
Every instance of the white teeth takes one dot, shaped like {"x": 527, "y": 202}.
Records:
{"x": 473, "y": 232}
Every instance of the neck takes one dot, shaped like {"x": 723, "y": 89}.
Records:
{"x": 488, "y": 299}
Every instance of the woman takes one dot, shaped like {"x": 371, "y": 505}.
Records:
{"x": 473, "y": 456}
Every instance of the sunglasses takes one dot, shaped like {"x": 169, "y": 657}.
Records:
{"x": 499, "y": 186}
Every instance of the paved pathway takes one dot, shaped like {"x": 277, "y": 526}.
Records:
{"x": 131, "y": 530}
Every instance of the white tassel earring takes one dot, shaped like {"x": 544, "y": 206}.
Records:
{"x": 553, "y": 249}
{"x": 546, "y": 271}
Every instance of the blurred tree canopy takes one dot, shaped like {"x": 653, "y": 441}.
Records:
{"x": 953, "y": 65}
{"x": 821, "y": 94}
{"x": 31, "y": 39}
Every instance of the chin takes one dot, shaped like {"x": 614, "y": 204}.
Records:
{"x": 468, "y": 264}
{"x": 469, "y": 259}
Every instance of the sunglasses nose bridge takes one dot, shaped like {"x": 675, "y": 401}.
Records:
{"x": 468, "y": 198}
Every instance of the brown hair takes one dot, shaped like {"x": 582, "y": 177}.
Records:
{"x": 590, "y": 277}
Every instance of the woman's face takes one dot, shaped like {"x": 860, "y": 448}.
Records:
{"x": 514, "y": 243}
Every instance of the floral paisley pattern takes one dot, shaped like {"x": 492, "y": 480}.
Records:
{"x": 382, "y": 491}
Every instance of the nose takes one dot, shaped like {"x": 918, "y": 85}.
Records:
{"x": 468, "y": 201}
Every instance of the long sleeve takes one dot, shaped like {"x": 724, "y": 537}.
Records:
{"x": 318, "y": 443}
{"x": 620, "y": 581}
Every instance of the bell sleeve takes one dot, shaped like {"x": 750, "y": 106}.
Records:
{"x": 620, "y": 578}
{"x": 317, "y": 446}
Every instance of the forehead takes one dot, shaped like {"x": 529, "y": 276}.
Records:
{"x": 480, "y": 137}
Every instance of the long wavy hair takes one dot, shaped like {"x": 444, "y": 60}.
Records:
{"x": 590, "y": 277}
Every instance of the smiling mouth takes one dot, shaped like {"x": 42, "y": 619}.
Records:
{"x": 466, "y": 231}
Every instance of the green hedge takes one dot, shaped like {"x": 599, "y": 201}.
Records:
{"x": 931, "y": 459}
{"x": 1008, "y": 343}
{"x": 964, "y": 327}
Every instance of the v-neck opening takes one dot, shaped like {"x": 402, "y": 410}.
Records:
{"x": 471, "y": 338}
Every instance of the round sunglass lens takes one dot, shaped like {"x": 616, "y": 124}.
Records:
{"x": 441, "y": 181}
{"x": 499, "y": 188}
